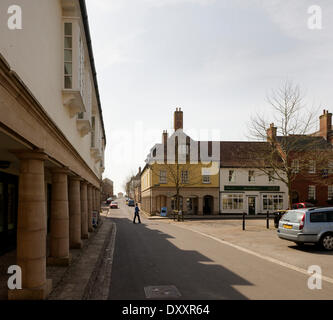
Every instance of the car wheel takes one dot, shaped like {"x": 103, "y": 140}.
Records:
{"x": 327, "y": 242}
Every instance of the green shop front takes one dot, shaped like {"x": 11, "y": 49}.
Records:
{"x": 252, "y": 199}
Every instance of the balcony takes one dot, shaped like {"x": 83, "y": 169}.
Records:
{"x": 83, "y": 124}
{"x": 73, "y": 101}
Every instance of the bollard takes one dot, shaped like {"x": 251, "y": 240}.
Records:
{"x": 243, "y": 220}
{"x": 267, "y": 220}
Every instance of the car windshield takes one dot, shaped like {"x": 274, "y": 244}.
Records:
{"x": 293, "y": 216}
{"x": 113, "y": 202}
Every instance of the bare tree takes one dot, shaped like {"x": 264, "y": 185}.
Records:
{"x": 293, "y": 147}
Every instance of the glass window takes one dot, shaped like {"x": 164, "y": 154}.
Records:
{"x": 205, "y": 179}
{"x": 272, "y": 202}
{"x": 68, "y": 56}
{"x": 251, "y": 176}
{"x": 312, "y": 192}
{"x": 93, "y": 132}
{"x": 163, "y": 176}
{"x": 232, "y": 176}
{"x": 232, "y": 201}
{"x": 318, "y": 216}
{"x": 312, "y": 166}
{"x": 293, "y": 216}
{"x": 330, "y": 192}
{"x": 184, "y": 176}
{"x": 295, "y": 166}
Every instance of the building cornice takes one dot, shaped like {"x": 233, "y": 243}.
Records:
{"x": 14, "y": 85}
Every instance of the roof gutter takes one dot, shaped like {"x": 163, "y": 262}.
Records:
{"x": 84, "y": 14}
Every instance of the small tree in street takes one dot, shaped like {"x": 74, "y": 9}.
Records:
{"x": 293, "y": 149}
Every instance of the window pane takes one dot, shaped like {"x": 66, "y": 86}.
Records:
{"x": 68, "y": 82}
{"x": 68, "y": 43}
{"x": 318, "y": 217}
{"x": 68, "y": 68}
{"x": 68, "y": 29}
{"x": 68, "y": 55}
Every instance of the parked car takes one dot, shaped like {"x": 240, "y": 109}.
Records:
{"x": 301, "y": 205}
{"x": 108, "y": 200}
{"x": 114, "y": 205}
{"x": 131, "y": 203}
{"x": 277, "y": 216}
{"x": 308, "y": 225}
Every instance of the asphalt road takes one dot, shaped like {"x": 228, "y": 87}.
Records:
{"x": 155, "y": 253}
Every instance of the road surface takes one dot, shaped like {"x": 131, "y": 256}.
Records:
{"x": 156, "y": 253}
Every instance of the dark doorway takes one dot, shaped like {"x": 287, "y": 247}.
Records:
{"x": 252, "y": 205}
{"x": 208, "y": 203}
{"x": 8, "y": 211}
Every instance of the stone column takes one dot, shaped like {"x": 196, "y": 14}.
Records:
{"x": 200, "y": 206}
{"x": 59, "y": 244}
{"x": 169, "y": 206}
{"x": 31, "y": 228}
{"x": 74, "y": 213}
{"x": 84, "y": 211}
{"x": 216, "y": 206}
{"x": 90, "y": 208}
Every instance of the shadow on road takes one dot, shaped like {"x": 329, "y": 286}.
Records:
{"x": 311, "y": 248}
{"x": 147, "y": 257}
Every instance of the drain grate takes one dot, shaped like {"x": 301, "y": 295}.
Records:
{"x": 160, "y": 292}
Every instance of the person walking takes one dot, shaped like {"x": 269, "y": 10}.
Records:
{"x": 136, "y": 213}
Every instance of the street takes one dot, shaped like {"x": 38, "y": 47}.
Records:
{"x": 156, "y": 253}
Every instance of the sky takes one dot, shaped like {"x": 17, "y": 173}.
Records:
{"x": 216, "y": 59}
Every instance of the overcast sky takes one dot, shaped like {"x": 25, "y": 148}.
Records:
{"x": 216, "y": 59}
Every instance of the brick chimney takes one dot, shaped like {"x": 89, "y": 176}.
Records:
{"x": 178, "y": 119}
{"x": 165, "y": 143}
{"x": 325, "y": 121}
{"x": 271, "y": 133}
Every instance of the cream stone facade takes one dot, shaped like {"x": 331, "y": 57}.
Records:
{"x": 52, "y": 138}
{"x": 181, "y": 161}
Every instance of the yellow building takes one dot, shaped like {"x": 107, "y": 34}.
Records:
{"x": 181, "y": 163}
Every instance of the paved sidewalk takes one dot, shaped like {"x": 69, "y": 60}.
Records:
{"x": 87, "y": 276}
{"x": 82, "y": 279}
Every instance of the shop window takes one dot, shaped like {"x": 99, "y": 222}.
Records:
{"x": 272, "y": 202}
{"x": 233, "y": 202}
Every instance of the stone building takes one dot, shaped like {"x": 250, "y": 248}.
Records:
{"x": 52, "y": 138}
{"x": 181, "y": 163}
{"x": 243, "y": 187}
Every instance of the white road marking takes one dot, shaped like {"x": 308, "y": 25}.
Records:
{"x": 267, "y": 258}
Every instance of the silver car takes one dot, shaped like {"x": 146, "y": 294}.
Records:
{"x": 308, "y": 225}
